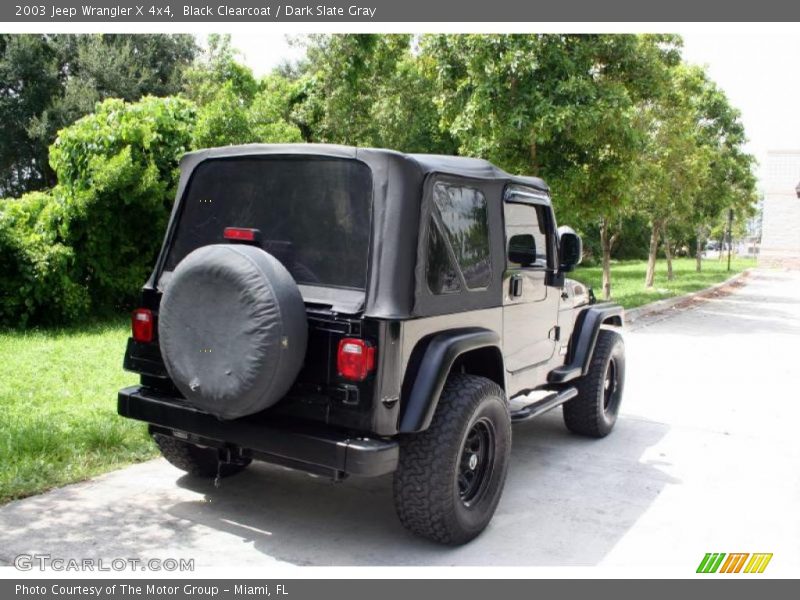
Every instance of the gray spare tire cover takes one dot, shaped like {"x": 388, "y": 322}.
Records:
{"x": 232, "y": 329}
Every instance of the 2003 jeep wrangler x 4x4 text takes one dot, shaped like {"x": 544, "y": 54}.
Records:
{"x": 350, "y": 311}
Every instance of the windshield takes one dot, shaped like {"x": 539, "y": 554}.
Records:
{"x": 313, "y": 213}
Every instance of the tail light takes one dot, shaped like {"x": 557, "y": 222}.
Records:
{"x": 142, "y": 325}
{"x": 355, "y": 359}
{"x": 241, "y": 234}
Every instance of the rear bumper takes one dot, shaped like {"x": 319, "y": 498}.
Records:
{"x": 317, "y": 449}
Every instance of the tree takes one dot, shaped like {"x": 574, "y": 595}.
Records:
{"x": 560, "y": 106}
{"x": 215, "y": 68}
{"x": 731, "y": 183}
{"x": 49, "y": 81}
{"x": 271, "y": 113}
{"x": 29, "y": 80}
{"x": 693, "y": 166}
{"x": 235, "y": 107}
{"x": 674, "y": 163}
{"x": 228, "y": 119}
{"x": 222, "y": 120}
{"x": 368, "y": 90}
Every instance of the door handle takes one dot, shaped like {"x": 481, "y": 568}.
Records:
{"x": 516, "y": 285}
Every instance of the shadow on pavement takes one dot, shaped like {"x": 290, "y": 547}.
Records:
{"x": 87, "y": 521}
{"x": 567, "y": 501}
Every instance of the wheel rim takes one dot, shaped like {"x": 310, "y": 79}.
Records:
{"x": 476, "y": 462}
{"x": 610, "y": 385}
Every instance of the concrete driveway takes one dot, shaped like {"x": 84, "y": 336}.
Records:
{"x": 705, "y": 458}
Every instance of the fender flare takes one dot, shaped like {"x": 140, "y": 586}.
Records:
{"x": 584, "y": 339}
{"x": 432, "y": 361}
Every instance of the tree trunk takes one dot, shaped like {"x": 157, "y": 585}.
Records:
{"x": 605, "y": 245}
{"x": 698, "y": 253}
{"x": 668, "y": 254}
{"x": 607, "y": 241}
{"x": 651, "y": 256}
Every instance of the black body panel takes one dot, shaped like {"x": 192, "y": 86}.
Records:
{"x": 584, "y": 338}
{"x": 428, "y": 371}
{"x": 144, "y": 359}
{"x": 284, "y": 442}
{"x": 319, "y": 393}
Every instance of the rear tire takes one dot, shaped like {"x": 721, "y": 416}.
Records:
{"x": 196, "y": 460}
{"x": 594, "y": 411}
{"x": 451, "y": 476}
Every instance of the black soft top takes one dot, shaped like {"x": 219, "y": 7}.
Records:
{"x": 398, "y": 189}
{"x": 476, "y": 168}
{"x": 462, "y": 166}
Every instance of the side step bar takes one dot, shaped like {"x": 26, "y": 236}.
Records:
{"x": 542, "y": 405}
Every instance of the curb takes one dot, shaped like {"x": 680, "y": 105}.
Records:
{"x": 634, "y": 314}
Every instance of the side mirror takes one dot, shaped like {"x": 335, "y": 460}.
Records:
{"x": 570, "y": 249}
{"x": 522, "y": 249}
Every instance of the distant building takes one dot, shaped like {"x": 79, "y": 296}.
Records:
{"x": 780, "y": 227}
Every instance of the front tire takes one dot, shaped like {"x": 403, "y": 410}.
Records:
{"x": 594, "y": 411}
{"x": 451, "y": 476}
{"x": 196, "y": 460}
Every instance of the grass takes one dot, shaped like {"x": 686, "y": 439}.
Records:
{"x": 58, "y": 421}
{"x": 627, "y": 278}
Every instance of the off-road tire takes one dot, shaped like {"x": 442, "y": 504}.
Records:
{"x": 196, "y": 460}
{"x": 428, "y": 495}
{"x": 593, "y": 412}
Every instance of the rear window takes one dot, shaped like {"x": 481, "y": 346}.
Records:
{"x": 313, "y": 214}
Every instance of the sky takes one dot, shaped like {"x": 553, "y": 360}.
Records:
{"x": 758, "y": 72}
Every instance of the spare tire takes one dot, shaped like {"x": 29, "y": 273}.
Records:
{"x": 232, "y": 329}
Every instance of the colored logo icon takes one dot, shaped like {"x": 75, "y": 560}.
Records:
{"x": 738, "y": 562}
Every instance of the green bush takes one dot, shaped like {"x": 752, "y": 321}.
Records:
{"x": 222, "y": 121}
{"x": 269, "y": 113}
{"x": 89, "y": 243}
{"x": 117, "y": 171}
{"x": 37, "y": 272}
{"x": 229, "y": 118}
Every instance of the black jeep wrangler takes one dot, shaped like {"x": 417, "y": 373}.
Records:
{"x": 350, "y": 311}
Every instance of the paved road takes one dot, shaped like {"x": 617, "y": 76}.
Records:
{"x": 705, "y": 458}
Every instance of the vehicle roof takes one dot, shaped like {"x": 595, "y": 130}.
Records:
{"x": 398, "y": 222}
{"x": 427, "y": 163}
{"x": 471, "y": 167}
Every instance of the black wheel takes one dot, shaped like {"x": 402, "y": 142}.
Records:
{"x": 594, "y": 411}
{"x": 450, "y": 477}
{"x": 196, "y": 460}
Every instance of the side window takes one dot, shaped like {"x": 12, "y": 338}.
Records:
{"x": 460, "y": 226}
{"x": 526, "y": 220}
{"x": 440, "y": 271}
